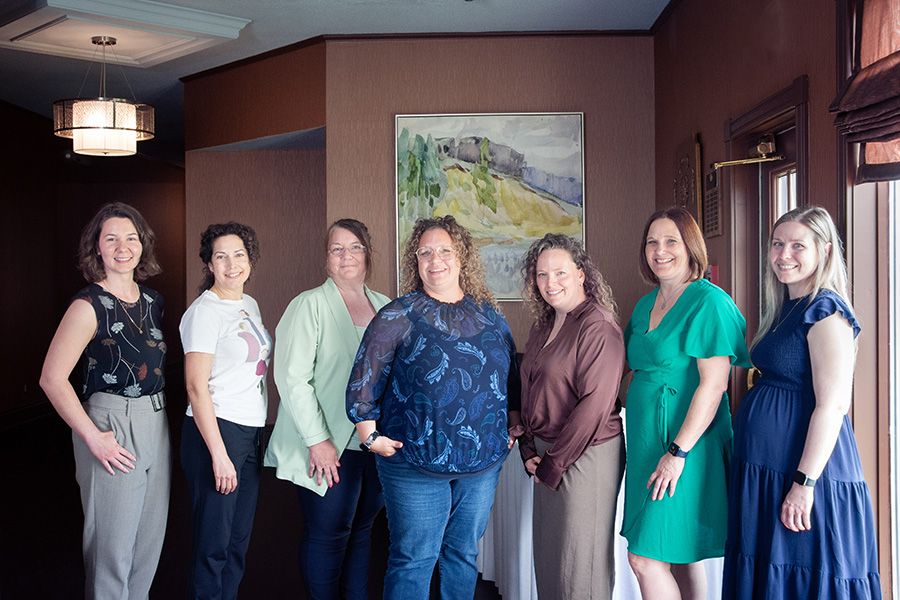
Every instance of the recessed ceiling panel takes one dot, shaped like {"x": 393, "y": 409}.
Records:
{"x": 143, "y": 38}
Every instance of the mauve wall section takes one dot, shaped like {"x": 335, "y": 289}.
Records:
{"x": 715, "y": 60}
{"x": 281, "y": 194}
{"x": 609, "y": 79}
{"x": 277, "y": 92}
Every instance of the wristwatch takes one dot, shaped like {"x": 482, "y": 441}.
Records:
{"x": 676, "y": 451}
{"x": 367, "y": 445}
{"x": 801, "y": 478}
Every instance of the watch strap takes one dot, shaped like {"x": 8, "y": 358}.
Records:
{"x": 367, "y": 445}
{"x": 676, "y": 451}
{"x": 803, "y": 479}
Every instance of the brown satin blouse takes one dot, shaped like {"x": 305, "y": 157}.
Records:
{"x": 570, "y": 388}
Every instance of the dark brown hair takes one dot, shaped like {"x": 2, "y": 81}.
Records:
{"x": 214, "y": 232}
{"x": 690, "y": 235}
{"x": 359, "y": 229}
{"x": 595, "y": 287}
{"x": 89, "y": 260}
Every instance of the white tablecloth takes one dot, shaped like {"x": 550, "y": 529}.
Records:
{"x": 505, "y": 555}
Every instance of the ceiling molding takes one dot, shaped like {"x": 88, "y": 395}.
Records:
{"x": 148, "y": 33}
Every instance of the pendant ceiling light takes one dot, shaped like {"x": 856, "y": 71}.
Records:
{"x": 103, "y": 126}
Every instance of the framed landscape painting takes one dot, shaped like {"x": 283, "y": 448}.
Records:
{"x": 507, "y": 178}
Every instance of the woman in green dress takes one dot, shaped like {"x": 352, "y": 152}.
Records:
{"x": 681, "y": 343}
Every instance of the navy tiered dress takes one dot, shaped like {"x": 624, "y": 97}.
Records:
{"x": 837, "y": 557}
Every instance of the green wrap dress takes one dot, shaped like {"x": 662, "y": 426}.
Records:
{"x": 691, "y": 525}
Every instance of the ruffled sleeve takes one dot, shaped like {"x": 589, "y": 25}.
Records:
{"x": 826, "y": 304}
{"x": 716, "y": 327}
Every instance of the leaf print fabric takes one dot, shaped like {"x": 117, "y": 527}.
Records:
{"x": 120, "y": 359}
{"x": 438, "y": 378}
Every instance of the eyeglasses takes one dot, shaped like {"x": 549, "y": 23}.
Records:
{"x": 444, "y": 253}
{"x": 339, "y": 250}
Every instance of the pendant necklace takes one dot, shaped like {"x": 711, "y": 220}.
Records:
{"x": 665, "y": 300}
{"x": 141, "y": 315}
{"x": 783, "y": 319}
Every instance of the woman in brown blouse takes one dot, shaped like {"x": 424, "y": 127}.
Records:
{"x": 572, "y": 441}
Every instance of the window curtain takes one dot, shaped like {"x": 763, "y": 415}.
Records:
{"x": 868, "y": 108}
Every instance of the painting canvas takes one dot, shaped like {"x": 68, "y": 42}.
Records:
{"x": 508, "y": 178}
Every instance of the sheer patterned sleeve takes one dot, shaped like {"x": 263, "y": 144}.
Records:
{"x": 374, "y": 361}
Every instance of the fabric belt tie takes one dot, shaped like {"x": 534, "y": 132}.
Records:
{"x": 662, "y": 412}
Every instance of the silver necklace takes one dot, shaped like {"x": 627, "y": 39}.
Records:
{"x": 665, "y": 300}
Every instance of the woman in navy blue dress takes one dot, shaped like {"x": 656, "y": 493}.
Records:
{"x": 800, "y": 515}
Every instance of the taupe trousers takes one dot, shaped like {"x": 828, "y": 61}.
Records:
{"x": 574, "y": 526}
{"x": 124, "y": 514}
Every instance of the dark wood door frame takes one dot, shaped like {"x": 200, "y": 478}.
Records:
{"x": 790, "y": 104}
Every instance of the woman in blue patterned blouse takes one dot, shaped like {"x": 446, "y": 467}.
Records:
{"x": 429, "y": 395}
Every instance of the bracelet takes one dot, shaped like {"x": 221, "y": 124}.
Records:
{"x": 676, "y": 451}
{"x": 367, "y": 445}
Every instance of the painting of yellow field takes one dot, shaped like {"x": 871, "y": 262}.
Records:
{"x": 508, "y": 178}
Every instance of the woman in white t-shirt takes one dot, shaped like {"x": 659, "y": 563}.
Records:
{"x": 227, "y": 353}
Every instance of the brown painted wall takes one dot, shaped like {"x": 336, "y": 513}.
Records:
{"x": 283, "y": 92}
{"x": 610, "y": 79}
{"x": 281, "y": 194}
{"x": 716, "y": 60}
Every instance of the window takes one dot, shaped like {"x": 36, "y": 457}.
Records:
{"x": 894, "y": 384}
{"x": 785, "y": 192}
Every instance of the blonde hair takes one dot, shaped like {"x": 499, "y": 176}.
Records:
{"x": 595, "y": 286}
{"x": 831, "y": 271}
{"x": 471, "y": 269}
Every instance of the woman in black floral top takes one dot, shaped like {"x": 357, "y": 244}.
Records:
{"x": 120, "y": 433}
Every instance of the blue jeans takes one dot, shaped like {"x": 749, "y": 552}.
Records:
{"x": 334, "y": 551}
{"x": 431, "y": 520}
{"x": 220, "y": 524}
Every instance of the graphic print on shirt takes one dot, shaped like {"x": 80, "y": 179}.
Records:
{"x": 259, "y": 343}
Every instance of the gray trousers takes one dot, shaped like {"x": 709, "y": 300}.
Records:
{"x": 124, "y": 514}
{"x": 574, "y": 526}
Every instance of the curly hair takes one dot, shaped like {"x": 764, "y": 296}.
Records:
{"x": 595, "y": 286}
{"x": 471, "y": 269}
{"x": 359, "y": 229}
{"x": 214, "y": 232}
{"x": 690, "y": 235}
{"x": 89, "y": 260}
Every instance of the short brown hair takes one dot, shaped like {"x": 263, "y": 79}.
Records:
{"x": 690, "y": 235}
{"x": 471, "y": 270}
{"x": 359, "y": 229}
{"x": 89, "y": 260}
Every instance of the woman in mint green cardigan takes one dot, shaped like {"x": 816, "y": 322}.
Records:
{"x": 314, "y": 445}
